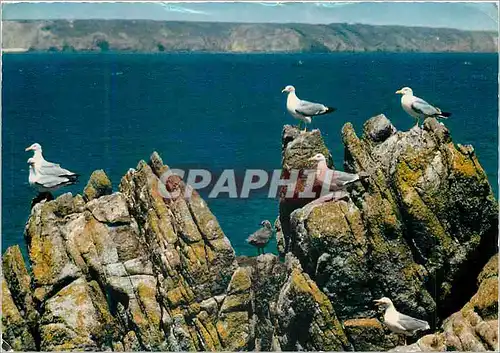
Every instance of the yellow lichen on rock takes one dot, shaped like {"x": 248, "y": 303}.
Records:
{"x": 233, "y": 329}
{"x": 240, "y": 281}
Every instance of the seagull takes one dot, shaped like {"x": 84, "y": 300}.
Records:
{"x": 338, "y": 180}
{"x": 45, "y": 179}
{"x": 417, "y": 107}
{"x": 260, "y": 238}
{"x": 46, "y": 168}
{"x": 400, "y": 323}
{"x": 304, "y": 110}
{"x": 332, "y": 180}
{"x": 45, "y": 176}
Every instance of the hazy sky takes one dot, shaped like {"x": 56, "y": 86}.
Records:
{"x": 474, "y": 16}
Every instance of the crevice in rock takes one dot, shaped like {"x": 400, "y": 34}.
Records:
{"x": 465, "y": 280}
{"x": 115, "y": 297}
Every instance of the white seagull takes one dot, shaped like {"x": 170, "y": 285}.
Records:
{"x": 304, "y": 110}
{"x": 45, "y": 179}
{"x": 336, "y": 179}
{"x": 417, "y": 107}
{"x": 45, "y": 167}
{"x": 400, "y": 323}
{"x": 46, "y": 176}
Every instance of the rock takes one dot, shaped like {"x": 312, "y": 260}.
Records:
{"x": 109, "y": 209}
{"x": 306, "y": 314}
{"x": 420, "y": 225}
{"x": 297, "y": 147}
{"x": 135, "y": 271}
{"x": 379, "y": 128}
{"x": 369, "y": 335}
{"x": 280, "y": 239}
{"x": 19, "y": 282}
{"x": 98, "y": 185}
{"x": 474, "y": 327}
{"x": 15, "y": 328}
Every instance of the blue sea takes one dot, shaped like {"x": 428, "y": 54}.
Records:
{"x": 218, "y": 111}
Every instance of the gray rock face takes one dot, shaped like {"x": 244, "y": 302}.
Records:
{"x": 98, "y": 185}
{"x": 379, "y": 128}
{"x": 134, "y": 271}
{"x": 424, "y": 223}
{"x": 474, "y": 327}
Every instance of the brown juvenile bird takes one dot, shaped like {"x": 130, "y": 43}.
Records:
{"x": 260, "y": 238}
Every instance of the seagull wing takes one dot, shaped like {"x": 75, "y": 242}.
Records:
{"x": 337, "y": 179}
{"x": 306, "y": 108}
{"x": 411, "y": 324}
{"x": 49, "y": 182}
{"x": 260, "y": 236}
{"x": 422, "y": 107}
{"x": 344, "y": 178}
{"x": 53, "y": 169}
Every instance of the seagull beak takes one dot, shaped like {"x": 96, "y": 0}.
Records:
{"x": 28, "y": 149}
{"x": 311, "y": 159}
{"x": 399, "y": 91}
{"x": 377, "y": 302}
{"x": 283, "y": 90}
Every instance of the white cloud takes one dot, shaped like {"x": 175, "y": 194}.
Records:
{"x": 333, "y": 4}
{"x": 271, "y": 4}
{"x": 176, "y": 8}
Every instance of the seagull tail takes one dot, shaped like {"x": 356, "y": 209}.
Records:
{"x": 444, "y": 115}
{"x": 72, "y": 178}
{"x": 330, "y": 110}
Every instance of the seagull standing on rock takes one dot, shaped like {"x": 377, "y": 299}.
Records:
{"x": 260, "y": 238}
{"x": 304, "y": 110}
{"x": 417, "y": 107}
{"x": 400, "y": 323}
{"x": 45, "y": 176}
{"x": 333, "y": 180}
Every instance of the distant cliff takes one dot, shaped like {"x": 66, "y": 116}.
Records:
{"x": 159, "y": 36}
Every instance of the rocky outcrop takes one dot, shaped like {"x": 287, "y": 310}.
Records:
{"x": 136, "y": 270}
{"x": 132, "y": 270}
{"x": 419, "y": 230}
{"x": 98, "y": 185}
{"x": 474, "y": 327}
{"x": 19, "y": 316}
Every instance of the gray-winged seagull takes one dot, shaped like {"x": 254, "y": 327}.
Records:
{"x": 261, "y": 237}
{"x": 333, "y": 180}
{"x": 400, "y": 323}
{"x": 45, "y": 176}
{"x": 304, "y": 110}
{"x": 45, "y": 179}
{"x": 417, "y": 107}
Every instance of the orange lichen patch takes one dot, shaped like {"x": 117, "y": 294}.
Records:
{"x": 363, "y": 323}
{"x": 464, "y": 165}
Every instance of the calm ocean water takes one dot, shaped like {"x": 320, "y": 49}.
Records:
{"x": 217, "y": 111}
